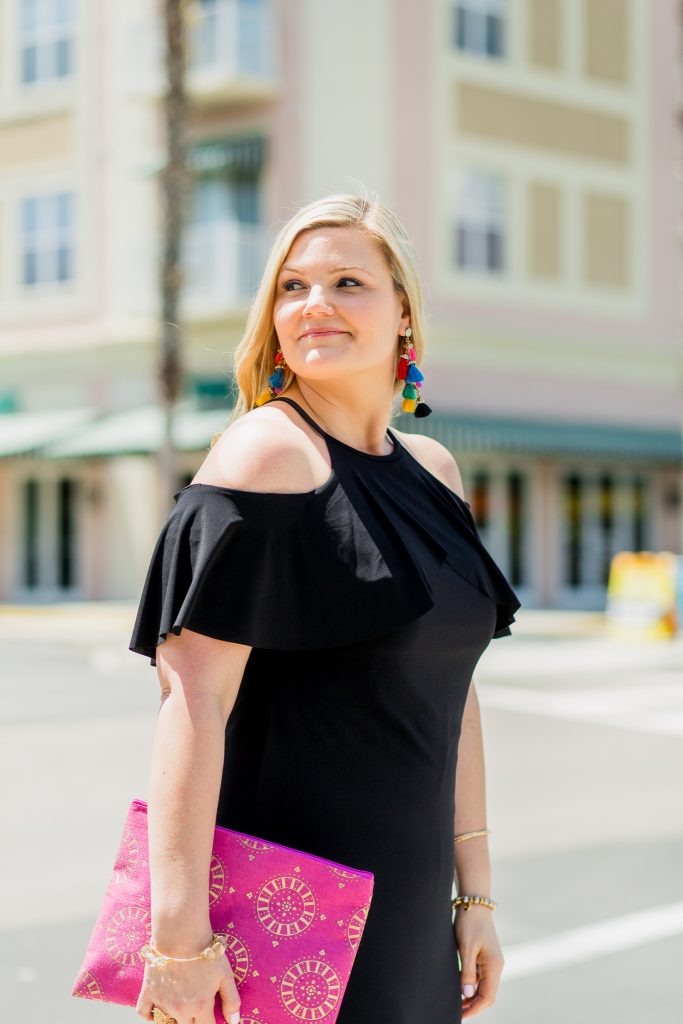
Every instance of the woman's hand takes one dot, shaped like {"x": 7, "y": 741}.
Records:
{"x": 187, "y": 991}
{"x": 481, "y": 957}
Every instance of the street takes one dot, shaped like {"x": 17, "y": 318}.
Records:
{"x": 584, "y": 760}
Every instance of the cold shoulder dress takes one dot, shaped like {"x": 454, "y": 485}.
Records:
{"x": 367, "y": 603}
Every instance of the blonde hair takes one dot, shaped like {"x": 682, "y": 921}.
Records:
{"x": 254, "y": 355}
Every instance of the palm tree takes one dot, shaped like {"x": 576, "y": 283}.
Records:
{"x": 174, "y": 188}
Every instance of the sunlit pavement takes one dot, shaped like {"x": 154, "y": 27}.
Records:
{"x": 584, "y": 758}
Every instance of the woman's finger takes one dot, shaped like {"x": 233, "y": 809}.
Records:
{"x": 144, "y": 1005}
{"x": 230, "y": 999}
{"x": 487, "y": 990}
{"x": 468, "y": 973}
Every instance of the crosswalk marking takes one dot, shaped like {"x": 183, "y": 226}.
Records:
{"x": 602, "y": 938}
{"x": 653, "y": 709}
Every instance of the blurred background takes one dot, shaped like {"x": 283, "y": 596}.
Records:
{"x": 532, "y": 148}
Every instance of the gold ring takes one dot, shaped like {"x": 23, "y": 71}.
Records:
{"x": 162, "y": 1018}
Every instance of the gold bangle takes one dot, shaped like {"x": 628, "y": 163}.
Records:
{"x": 162, "y": 1018}
{"x": 156, "y": 958}
{"x": 468, "y": 835}
{"x": 467, "y": 901}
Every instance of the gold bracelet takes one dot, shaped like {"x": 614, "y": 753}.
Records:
{"x": 467, "y": 901}
{"x": 155, "y": 958}
{"x": 469, "y": 835}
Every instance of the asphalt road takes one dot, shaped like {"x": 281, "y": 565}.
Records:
{"x": 584, "y": 759}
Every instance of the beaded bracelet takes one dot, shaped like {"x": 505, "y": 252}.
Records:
{"x": 467, "y": 901}
{"x": 155, "y": 958}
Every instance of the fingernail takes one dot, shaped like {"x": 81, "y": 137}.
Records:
{"x": 468, "y": 990}
{"x": 235, "y": 1017}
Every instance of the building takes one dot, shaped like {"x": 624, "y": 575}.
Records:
{"x": 531, "y": 147}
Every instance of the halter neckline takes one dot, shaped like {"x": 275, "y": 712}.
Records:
{"x": 396, "y": 452}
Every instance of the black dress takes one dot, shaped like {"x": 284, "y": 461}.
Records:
{"x": 367, "y": 602}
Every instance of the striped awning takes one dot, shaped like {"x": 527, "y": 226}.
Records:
{"x": 243, "y": 155}
{"x": 26, "y": 433}
{"x": 82, "y": 433}
{"x": 469, "y": 433}
{"x": 139, "y": 432}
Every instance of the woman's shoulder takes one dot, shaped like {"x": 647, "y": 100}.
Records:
{"x": 264, "y": 451}
{"x": 435, "y": 458}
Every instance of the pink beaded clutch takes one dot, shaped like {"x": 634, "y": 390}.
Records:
{"x": 293, "y": 921}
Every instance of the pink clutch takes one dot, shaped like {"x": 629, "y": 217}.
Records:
{"x": 294, "y": 922}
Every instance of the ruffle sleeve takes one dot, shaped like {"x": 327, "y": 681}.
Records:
{"x": 495, "y": 584}
{"x": 276, "y": 571}
{"x": 338, "y": 565}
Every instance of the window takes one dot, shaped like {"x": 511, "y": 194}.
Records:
{"x": 480, "y": 222}
{"x": 516, "y": 501}
{"x": 230, "y": 36}
{"x": 479, "y": 491}
{"x": 30, "y": 540}
{"x": 638, "y": 514}
{"x": 479, "y": 26}
{"x": 606, "y": 507}
{"x": 46, "y": 39}
{"x": 573, "y": 515}
{"x": 47, "y": 239}
{"x": 66, "y": 532}
{"x": 223, "y": 196}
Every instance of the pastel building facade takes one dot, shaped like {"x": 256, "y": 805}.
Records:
{"x": 532, "y": 149}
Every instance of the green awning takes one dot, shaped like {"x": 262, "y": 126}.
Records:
{"x": 243, "y": 155}
{"x": 139, "y": 432}
{"x": 26, "y": 433}
{"x": 83, "y": 434}
{"x": 469, "y": 433}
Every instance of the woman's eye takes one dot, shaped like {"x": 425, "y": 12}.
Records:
{"x": 288, "y": 283}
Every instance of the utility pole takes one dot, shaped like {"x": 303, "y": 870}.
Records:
{"x": 174, "y": 182}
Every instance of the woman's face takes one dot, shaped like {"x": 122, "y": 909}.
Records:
{"x": 335, "y": 280}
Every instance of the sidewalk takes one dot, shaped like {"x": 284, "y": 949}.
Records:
{"x": 110, "y": 618}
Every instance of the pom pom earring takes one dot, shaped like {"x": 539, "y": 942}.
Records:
{"x": 275, "y": 381}
{"x": 409, "y": 371}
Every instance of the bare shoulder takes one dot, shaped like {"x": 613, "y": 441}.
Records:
{"x": 435, "y": 457}
{"x": 264, "y": 450}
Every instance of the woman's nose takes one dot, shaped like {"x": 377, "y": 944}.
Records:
{"x": 317, "y": 298}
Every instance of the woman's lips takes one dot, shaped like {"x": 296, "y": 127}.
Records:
{"x": 316, "y": 334}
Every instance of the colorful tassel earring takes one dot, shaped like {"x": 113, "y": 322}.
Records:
{"x": 275, "y": 381}
{"x": 409, "y": 371}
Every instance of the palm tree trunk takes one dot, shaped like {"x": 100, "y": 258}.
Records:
{"x": 174, "y": 180}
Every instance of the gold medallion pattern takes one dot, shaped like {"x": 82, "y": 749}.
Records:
{"x": 129, "y": 854}
{"x": 254, "y": 844}
{"x": 238, "y": 957}
{"x": 216, "y": 880}
{"x": 286, "y": 906}
{"x": 344, "y": 874}
{"x": 310, "y": 989}
{"x": 127, "y": 932}
{"x": 355, "y": 927}
{"x": 88, "y": 987}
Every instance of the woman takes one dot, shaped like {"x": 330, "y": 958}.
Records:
{"x": 315, "y": 606}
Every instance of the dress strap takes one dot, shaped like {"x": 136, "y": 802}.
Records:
{"x": 342, "y": 445}
{"x": 306, "y": 416}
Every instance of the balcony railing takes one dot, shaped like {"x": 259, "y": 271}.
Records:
{"x": 232, "y": 39}
{"x": 223, "y": 262}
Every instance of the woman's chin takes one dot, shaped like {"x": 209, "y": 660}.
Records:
{"x": 323, "y": 355}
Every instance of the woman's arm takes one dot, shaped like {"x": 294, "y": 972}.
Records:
{"x": 480, "y": 953}
{"x": 472, "y": 862}
{"x": 199, "y": 679}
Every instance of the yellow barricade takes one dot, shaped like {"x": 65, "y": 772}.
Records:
{"x": 642, "y": 595}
